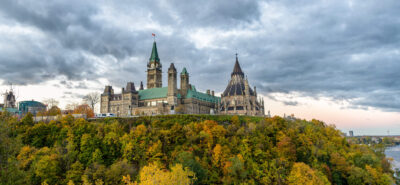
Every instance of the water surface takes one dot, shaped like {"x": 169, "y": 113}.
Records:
{"x": 394, "y": 152}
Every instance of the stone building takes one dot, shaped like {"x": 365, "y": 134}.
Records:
{"x": 239, "y": 98}
{"x": 157, "y": 99}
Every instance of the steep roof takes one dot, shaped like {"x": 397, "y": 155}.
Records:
{"x": 23, "y": 105}
{"x": 184, "y": 71}
{"x": 154, "y": 53}
{"x": 237, "y": 70}
{"x": 153, "y": 93}
{"x": 202, "y": 96}
{"x": 236, "y": 85}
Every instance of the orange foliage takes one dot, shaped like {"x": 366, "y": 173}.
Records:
{"x": 84, "y": 109}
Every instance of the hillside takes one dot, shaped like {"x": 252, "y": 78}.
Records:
{"x": 199, "y": 149}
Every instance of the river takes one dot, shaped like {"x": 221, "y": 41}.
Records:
{"x": 394, "y": 152}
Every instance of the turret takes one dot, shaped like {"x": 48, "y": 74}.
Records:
{"x": 172, "y": 87}
{"x": 130, "y": 87}
{"x": 172, "y": 80}
{"x": 105, "y": 99}
{"x": 141, "y": 85}
{"x": 108, "y": 90}
{"x": 184, "y": 82}
{"x": 246, "y": 88}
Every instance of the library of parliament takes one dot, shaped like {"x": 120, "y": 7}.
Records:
{"x": 237, "y": 99}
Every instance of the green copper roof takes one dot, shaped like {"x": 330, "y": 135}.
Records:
{"x": 184, "y": 72}
{"x": 154, "y": 53}
{"x": 24, "y": 105}
{"x": 153, "y": 93}
{"x": 202, "y": 96}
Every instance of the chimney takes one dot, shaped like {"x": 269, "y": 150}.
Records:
{"x": 208, "y": 91}
{"x": 212, "y": 93}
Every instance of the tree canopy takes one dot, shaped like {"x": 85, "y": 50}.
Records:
{"x": 184, "y": 149}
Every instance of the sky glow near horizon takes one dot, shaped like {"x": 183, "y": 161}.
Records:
{"x": 336, "y": 61}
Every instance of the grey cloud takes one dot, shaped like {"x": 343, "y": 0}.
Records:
{"x": 317, "y": 48}
{"x": 291, "y": 103}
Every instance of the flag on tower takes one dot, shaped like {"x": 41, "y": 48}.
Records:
{"x": 153, "y": 34}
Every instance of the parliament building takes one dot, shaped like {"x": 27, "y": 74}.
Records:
{"x": 238, "y": 98}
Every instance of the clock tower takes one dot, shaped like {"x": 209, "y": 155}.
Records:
{"x": 154, "y": 69}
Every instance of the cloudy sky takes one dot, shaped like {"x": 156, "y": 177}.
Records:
{"x": 334, "y": 60}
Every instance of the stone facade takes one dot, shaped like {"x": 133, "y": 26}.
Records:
{"x": 156, "y": 100}
{"x": 239, "y": 98}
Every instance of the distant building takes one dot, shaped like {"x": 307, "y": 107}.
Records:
{"x": 9, "y": 99}
{"x": 351, "y": 133}
{"x": 31, "y": 106}
{"x": 9, "y": 103}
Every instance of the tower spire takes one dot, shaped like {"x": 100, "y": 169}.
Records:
{"x": 154, "y": 53}
{"x": 237, "y": 70}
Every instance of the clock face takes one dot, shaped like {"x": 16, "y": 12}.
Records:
{"x": 152, "y": 65}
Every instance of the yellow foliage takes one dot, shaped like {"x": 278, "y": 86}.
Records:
{"x": 85, "y": 180}
{"x": 302, "y": 174}
{"x": 154, "y": 175}
{"x": 154, "y": 151}
{"x": 217, "y": 155}
{"x": 99, "y": 182}
{"x": 140, "y": 131}
{"x": 26, "y": 156}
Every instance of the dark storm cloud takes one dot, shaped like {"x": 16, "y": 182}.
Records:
{"x": 291, "y": 103}
{"x": 344, "y": 50}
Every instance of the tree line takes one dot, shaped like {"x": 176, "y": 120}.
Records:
{"x": 184, "y": 149}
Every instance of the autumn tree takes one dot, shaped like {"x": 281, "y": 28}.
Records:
{"x": 53, "y": 111}
{"x": 84, "y": 109}
{"x": 302, "y": 174}
{"x": 153, "y": 174}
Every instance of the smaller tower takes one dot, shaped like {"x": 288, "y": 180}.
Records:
{"x": 130, "y": 87}
{"x": 184, "y": 81}
{"x": 172, "y": 87}
{"x": 105, "y": 99}
{"x": 247, "y": 96}
{"x": 141, "y": 85}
